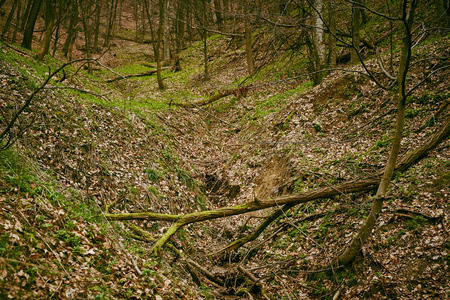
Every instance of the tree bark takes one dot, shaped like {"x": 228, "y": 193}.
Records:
{"x": 71, "y": 31}
{"x": 49, "y": 22}
{"x": 218, "y": 13}
{"x": 18, "y": 14}
{"x": 8, "y": 20}
{"x": 318, "y": 44}
{"x": 25, "y": 15}
{"x": 179, "y": 32}
{"x": 31, "y": 21}
{"x": 158, "y": 44}
{"x": 60, "y": 14}
{"x": 204, "y": 35}
{"x": 98, "y": 9}
{"x": 249, "y": 50}
{"x": 355, "y": 33}
{"x": 166, "y": 34}
{"x": 112, "y": 12}
{"x": 352, "y": 250}
{"x": 332, "y": 35}
{"x": 85, "y": 8}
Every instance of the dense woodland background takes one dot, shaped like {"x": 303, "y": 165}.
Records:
{"x": 224, "y": 149}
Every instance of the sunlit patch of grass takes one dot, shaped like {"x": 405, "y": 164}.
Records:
{"x": 28, "y": 65}
{"x": 133, "y": 68}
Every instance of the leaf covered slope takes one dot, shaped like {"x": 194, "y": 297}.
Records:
{"x": 140, "y": 153}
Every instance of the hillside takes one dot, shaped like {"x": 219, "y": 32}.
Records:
{"x": 98, "y": 172}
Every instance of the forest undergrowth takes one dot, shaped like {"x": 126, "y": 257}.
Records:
{"x": 125, "y": 147}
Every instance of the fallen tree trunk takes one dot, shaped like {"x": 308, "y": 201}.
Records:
{"x": 148, "y": 73}
{"x": 363, "y": 184}
{"x": 211, "y": 99}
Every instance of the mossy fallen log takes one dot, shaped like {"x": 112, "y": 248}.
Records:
{"x": 363, "y": 184}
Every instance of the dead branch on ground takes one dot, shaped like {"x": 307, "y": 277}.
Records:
{"x": 211, "y": 99}
{"x": 362, "y": 184}
{"x": 148, "y": 73}
{"x": 256, "y": 282}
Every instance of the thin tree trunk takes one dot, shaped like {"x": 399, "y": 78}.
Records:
{"x": 249, "y": 50}
{"x": 218, "y": 13}
{"x": 49, "y": 22}
{"x": 31, "y": 21}
{"x": 355, "y": 33}
{"x": 166, "y": 34}
{"x": 25, "y": 15}
{"x": 136, "y": 20}
{"x": 189, "y": 26}
{"x": 318, "y": 43}
{"x": 119, "y": 10}
{"x": 180, "y": 16}
{"x": 16, "y": 28}
{"x": 8, "y": 20}
{"x": 98, "y": 10}
{"x": 248, "y": 40}
{"x": 59, "y": 18}
{"x": 204, "y": 34}
{"x": 72, "y": 28}
{"x": 205, "y": 54}
{"x": 158, "y": 44}
{"x": 143, "y": 32}
{"x": 87, "y": 29}
{"x": 332, "y": 36}
{"x": 352, "y": 250}
{"x": 73, "y": 42}
{"x": 111, "y": 20}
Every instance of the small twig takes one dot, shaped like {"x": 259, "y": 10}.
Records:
{"x": 130, "y": 257}
{"x": 407, "y": 213}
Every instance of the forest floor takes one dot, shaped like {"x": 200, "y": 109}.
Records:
{"x": 94, "y": 147}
